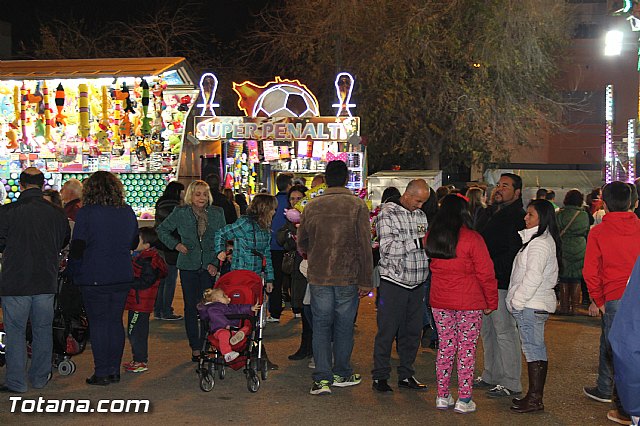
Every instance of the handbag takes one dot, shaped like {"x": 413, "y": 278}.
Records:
{"x": 288, "y": 262}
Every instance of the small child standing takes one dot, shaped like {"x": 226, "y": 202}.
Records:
{"x": 215, "y": 307}
{"x": 148, "y": 269}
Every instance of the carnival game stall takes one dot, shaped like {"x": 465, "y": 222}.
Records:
{"x": 280, "y": 130}
{"x": 70, "y": 118}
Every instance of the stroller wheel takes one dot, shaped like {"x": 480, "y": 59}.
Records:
{"x": 66, "y": 367}
{"x": 222, "y": 372}
{"x": 207, "y": 382}
{"x": 253, "y": 383}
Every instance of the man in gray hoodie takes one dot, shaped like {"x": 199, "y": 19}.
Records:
{"x": 404, "y": 267}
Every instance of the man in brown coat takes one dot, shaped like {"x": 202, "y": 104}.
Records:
{"x": 335, "y": 235}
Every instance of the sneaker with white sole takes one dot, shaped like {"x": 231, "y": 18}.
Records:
{"x": 272, "y": 319}
{"x": 343, "y": 382}
{"x": 500, "y": 391}
{"x": 312, "y": 363}
{"x": 444, "y": 402}
{"x": 595, "y": 394}
{"x": 236, "y": 338}
{"x": 231, "y": 356}
{"x": 320, "y": 387}
{"x": 465, "y": 407}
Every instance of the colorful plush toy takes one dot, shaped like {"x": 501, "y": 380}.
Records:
{"x": 310, "y": 195}
{"x": 83, "y": 108}
{"x": 61, "y": 119}
{"x": 175, "y": 144}
{"x": 146, "y": 121}
{"x": 293, "y": 215}
{"x": 47, "y": 113}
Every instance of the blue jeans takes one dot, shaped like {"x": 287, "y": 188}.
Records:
{"x": 334, "y": 309}
{"x": 167, "y": 289}
{"x": 605, "y": 361}
{"x": 17, "y": 310}
{"x": 531, "y": 327}
{"x": 194, "y": 283}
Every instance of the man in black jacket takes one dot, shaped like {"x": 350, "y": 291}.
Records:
{"x": 230, "y": 215}
{"x": 500, "y": 338}
{"x": 32, "y": 233}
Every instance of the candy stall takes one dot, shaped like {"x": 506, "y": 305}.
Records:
{"x": 279, "y": 130}
{"x": 70, "y": 118}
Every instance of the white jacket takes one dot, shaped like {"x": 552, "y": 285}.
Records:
{"x": 534, "y": 274}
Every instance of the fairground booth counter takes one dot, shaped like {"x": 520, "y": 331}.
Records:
{"x": 279, "y": 130}
{"x": 70, "y": 118}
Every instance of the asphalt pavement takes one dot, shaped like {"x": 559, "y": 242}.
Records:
{"x": 172, "y": 388}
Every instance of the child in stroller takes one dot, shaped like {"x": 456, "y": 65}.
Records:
{"x": 216, "y": 308}
{"x": 244, "y": 289}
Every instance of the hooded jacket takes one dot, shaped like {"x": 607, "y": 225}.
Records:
{"x": 502, "y": 239}
{"x": 534, "y": 274}
{"x": 149, "y": 268}
{"x": 403, "y": 259}
{"x": 612, "y": 249}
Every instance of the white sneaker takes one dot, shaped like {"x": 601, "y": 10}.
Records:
{"x": 465, "y": 407}
{"x": 444, "y": 403}
{"x": 297, "y": 315}
{"x": 231, "y": 356}
{"x": 312, "y": 363}
{"x": 272, "y": 319}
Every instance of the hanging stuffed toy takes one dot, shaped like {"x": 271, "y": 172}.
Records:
{"x": 61, "y": 119}
{"x": 146, "y": 121}
{"x": 47, "y": 113}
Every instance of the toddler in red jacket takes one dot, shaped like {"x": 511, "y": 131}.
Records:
{"x": 148, "y": 269}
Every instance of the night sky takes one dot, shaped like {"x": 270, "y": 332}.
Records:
{"x": 227, "y": 18}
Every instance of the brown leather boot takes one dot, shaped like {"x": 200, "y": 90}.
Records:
{"x": 564, "y": 299}
{"x": 533, "y": 400}
{"x": 575, "y": 296}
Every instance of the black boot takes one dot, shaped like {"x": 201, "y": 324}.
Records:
{"x": 533, "y": 400}
{"x": 303, "y": 352}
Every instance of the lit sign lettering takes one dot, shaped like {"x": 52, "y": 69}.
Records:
{"x": 289, "y": 129}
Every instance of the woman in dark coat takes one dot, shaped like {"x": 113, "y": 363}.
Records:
{"x": 170, "y": 199}
{"x": 105, "y": 232}
{"x": 573, "y": 222}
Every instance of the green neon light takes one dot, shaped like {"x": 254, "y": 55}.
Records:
{"x": 628, "y": 4}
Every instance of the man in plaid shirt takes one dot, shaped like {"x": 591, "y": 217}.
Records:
{"x": 404, "y": 267}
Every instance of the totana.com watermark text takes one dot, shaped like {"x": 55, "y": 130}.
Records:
{"x": 41, "y": 405}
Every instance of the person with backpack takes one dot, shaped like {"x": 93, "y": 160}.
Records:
{"x": 148, "y": 269}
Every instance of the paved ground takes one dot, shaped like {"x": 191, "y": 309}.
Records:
{"x": 171, "y": 385}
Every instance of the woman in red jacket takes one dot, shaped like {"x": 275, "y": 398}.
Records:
{"x": 463, "y": 286}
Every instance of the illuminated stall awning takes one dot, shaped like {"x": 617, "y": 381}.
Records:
{"x": 96, "y": 68}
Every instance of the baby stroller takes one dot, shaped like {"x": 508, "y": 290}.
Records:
{"x": 70, "y": 326}
{"x": 242, "y": 287}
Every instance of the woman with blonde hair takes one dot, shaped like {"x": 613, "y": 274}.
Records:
{"x": 196, "y": 224}
{"x": 105, "y": 232}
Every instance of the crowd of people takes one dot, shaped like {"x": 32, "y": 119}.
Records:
{"x": 449, "y": 266}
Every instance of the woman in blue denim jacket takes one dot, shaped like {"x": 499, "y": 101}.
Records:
{"x": 197, "y": 223}
{"x": 531, "y": 298}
